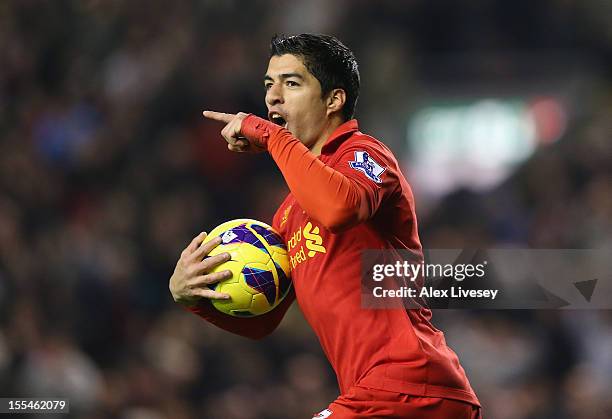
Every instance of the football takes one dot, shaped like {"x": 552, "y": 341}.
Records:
{"x": 259, "y": 264}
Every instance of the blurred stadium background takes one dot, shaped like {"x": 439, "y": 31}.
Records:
{"x": 500, "y": 111}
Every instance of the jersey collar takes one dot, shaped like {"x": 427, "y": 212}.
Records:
{"x": 339, "y": 135}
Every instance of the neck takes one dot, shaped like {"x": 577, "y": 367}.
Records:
{"x": 330, "y": 127}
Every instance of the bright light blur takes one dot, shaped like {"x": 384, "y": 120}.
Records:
{"x": 477, "y": 144}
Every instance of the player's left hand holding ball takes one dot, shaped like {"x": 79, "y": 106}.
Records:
{"x": 191, "y": 277}
{"x": 232, "y": 131}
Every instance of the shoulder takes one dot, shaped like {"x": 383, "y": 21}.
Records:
{"x": 361, "y": 148}
{"x": 360, "y": 141}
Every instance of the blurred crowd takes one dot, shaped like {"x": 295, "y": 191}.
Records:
{"x": 107, "y": 170}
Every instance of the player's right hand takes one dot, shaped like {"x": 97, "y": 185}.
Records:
{"x": 191, "y": 277}
{"x": 232, "y": 132}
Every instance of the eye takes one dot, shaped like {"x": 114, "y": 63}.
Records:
{"x": 267, "y": 86}
{"x": 291, "y": 83}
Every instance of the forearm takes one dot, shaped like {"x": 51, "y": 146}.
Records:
{"x": 324, "y": 193}
{"x": 251, "y": 327}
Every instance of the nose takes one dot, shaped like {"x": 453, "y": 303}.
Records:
{"x": 274, "y": 95}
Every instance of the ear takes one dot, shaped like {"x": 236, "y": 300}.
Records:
{"x": 335, "y": 101}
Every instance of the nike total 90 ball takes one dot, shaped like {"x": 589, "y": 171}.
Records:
{"x": 259, "y": 264}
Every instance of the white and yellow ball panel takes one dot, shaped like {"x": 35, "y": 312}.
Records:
{"x": 241, "y": 299}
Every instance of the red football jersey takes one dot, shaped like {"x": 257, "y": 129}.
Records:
{"x": 388, "y": 349}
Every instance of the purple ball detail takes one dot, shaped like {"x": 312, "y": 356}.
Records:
{"x": 271, "y": 237}
{"x": 241, "y": 234}
{"x": 261, "y": 280}
{"x": 284, "y": 283}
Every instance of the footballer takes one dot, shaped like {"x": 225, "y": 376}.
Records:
{"x": 347, "y": 194}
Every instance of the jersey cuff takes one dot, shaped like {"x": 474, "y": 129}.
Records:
{"x": 258, "y": 130}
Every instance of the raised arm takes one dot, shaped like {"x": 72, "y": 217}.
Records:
{"x": 340, "y": 201}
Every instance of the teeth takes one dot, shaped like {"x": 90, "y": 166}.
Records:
{"x": 278, "y": 119}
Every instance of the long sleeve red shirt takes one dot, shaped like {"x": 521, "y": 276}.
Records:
{"x": 351, "y": 198}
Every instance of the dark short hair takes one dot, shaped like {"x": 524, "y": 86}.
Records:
{"x": 328, "y": 60}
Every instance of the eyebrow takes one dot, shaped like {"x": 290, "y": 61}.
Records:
{"x": 284, "y": 76}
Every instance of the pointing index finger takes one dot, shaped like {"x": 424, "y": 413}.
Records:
{"x": 219, "y": 116}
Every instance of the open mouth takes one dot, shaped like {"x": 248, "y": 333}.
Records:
{"x": 277, "y": 119}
